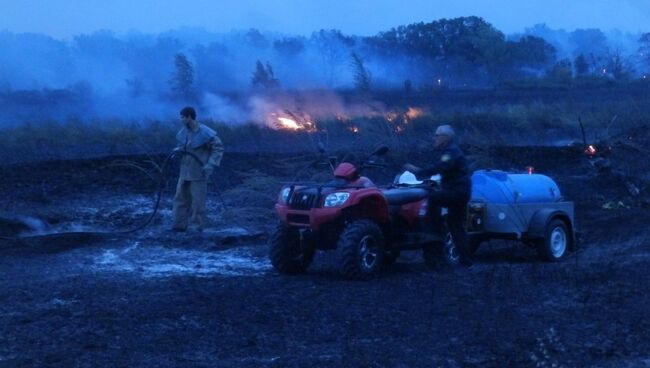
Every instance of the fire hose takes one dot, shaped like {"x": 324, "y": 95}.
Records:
{"x": 145, "y": 223}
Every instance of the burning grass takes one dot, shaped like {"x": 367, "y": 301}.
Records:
{"x": 292, "y": 127}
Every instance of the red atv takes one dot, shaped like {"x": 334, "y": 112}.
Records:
{"x": 368, "y": 225}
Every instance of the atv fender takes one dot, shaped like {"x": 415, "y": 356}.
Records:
{"x": 370, "y": 204}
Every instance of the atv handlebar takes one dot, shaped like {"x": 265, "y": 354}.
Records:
{"x": 292, "y": 184}
{"x": 367, "y": 165}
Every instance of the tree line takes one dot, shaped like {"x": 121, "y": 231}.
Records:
{"x": 464, "y": 52}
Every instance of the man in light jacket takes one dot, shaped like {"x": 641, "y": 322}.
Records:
{"x": 201, "y": 151}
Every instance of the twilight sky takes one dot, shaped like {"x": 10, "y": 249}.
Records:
{"x": 66, "y": 18}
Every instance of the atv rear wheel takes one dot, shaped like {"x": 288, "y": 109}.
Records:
{"x": 390, "y": 257}
{"x": 555, "y": 244}
{"x": 361, "y": 247}
{"x": 287, "y": 255}
{"x": 473, "y": 244}
{"x": 443, "y": 253}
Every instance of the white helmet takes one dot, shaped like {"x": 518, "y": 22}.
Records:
{"x": 408, "y": 177}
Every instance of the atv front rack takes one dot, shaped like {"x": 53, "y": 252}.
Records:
{"x": 310, "y": 200}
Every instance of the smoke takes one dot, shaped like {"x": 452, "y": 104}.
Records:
{"x": 588, "y": 42}
{"x": 306, "y": 106}
{"x": 128, "y": 77}
{"x": 220, "y": 108}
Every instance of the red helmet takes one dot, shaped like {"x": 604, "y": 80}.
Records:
{"x": 346, "y": 171}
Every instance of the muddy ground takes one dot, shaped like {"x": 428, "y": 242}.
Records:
{"x": 156, "y": 299}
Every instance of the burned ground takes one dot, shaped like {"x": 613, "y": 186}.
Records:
{"x": 212, "y": 300}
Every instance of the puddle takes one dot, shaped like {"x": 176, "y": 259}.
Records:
{"x": 152, "y": 261}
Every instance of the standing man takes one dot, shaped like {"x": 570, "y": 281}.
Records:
{"x": 456, "y": 186}
{"x": 201, "y": 151}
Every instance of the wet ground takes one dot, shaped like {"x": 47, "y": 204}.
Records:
{"x": 211, "y": 299}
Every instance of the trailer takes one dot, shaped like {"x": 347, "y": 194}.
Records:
{"x": 526, "y": 207}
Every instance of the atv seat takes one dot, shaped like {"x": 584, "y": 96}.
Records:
{"x": 400, "y": 196}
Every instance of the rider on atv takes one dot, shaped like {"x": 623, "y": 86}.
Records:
{"x": 456, "y": 186}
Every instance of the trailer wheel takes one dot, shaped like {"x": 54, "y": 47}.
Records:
{"x": 556, "y": 242}
{"x": 361, "y": 249}
{"x": 287, "y": 255}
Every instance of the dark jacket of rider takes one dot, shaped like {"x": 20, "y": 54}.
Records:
{"x": 451, "y": 164}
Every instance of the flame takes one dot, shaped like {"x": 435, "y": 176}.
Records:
{"x": 412, "y": 113}
{"x": 300, "y": 121}
{"x": 391, "y": 116}
{"x": 290, "y": 121}
{"x": 590, "y": 150}
{"x": 287, "y": 123}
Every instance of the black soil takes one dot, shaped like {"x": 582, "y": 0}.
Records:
{"x": 60, "y": 307}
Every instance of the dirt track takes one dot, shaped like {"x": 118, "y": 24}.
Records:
{"x": 160, "y": 300}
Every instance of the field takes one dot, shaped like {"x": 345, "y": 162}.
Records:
{"x": 153, "y": 298}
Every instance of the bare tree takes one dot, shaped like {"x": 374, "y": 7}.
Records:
{"x": 183, "y": 78}
{"x": 581, "y": 65}
{"x": 333, "y": 50}
{"x": 263, "y": 76}
{"x": 644, "y": 49}
{"x": 617, "y": 66}
{"x": 361, "y": 74}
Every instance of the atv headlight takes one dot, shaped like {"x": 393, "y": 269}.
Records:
{"x": 284, "y": 195}
{"x": 336, "y": 199}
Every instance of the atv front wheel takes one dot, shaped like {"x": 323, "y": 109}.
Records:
{"x": 287, "y": 255}
{"x": 361, "y": 247}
